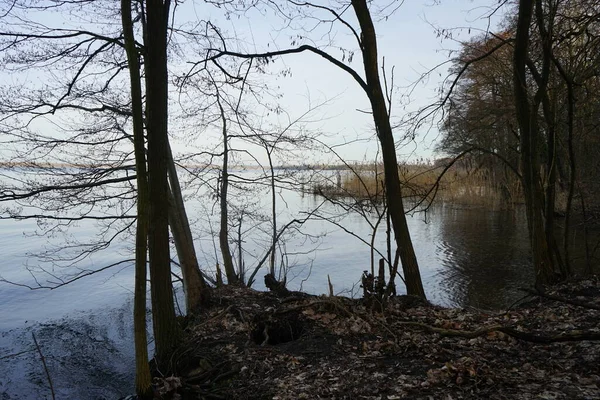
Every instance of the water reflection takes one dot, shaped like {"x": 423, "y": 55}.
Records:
{"x": 89, "y": 356}
{"x": 468, "y": 257}
{"x": 484, "y": 255}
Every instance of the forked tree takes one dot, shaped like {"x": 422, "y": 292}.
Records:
{"x": 371, "y": 84}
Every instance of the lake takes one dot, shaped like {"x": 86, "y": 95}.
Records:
{"x": 468, "y": 257}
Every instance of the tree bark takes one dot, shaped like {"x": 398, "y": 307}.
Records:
{"x": 542, "y": 259}
{"x": 551, "y": 143}
{"x": 572, "y": 169}
{"x": 232, "y": 277}
{"x": 194, "y": 285}
{"x": 273, "y": 213}
{"x": 166, "y": 329}
{"x": 393, "y": 191}
{"x": 143, "y": 379}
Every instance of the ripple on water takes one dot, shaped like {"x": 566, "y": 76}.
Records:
{"x": 89, "y": 357}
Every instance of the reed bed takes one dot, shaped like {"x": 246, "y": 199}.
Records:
{"x": 425, "y": 183}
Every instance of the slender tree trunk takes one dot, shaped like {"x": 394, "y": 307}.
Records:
{"x": 550, "y": 117}
{"x": 393, "y": 192}
{"x": 572, "y": 172}
{"x": 273, "y": 215}
{"x": 542, "y": 260}
{"x": 166, "y": 329}
{"x": 565, "y": 267}
{"x": 194, "y": 285}
{"x": 550, "y": 195}
{"x": 588, "y": 259}
{"x": 232, "y": 277}
{"x": 550, "y": 189}
{"x": 143, "y": 379}
{"x": 240, "y": 254}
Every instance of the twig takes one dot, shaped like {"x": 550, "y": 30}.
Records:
{"x": 517, "y": 302}
{"x": 370, "y": 319}
{"x": 37, "y": 346}
{"x": 315, "y": 303}
{"x": 63, "y": 282}
{"x": 572, "y": 336}
{"x": 561, "y": 299}
{"x": 16, "y": 354}
{"x": 216, "y": 317}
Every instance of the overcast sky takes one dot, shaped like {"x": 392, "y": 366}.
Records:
{"x": 407, "y": 39}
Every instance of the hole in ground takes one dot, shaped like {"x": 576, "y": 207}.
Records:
{"x": 274, "y": 331}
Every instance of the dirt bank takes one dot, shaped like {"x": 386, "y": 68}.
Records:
{"x": 255, "y": 345}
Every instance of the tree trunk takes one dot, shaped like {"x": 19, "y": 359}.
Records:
{"x": 273, "y": 214}
{"x": 393, "y": 192}
{"x": 572, "y": 169}
{"x": 542, "y": 259}
{"x": 550, "y": 193}
{"x": 194, "y": 286}
{"x": 550, "y": 117}
{"x": 232, "y": 277}
{"x": 166, "y": 329}
{"x": 143, "y": 379}
{"x": 239, "y": 245}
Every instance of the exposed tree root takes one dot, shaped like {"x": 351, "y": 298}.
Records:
{"x": 572, "y": 336}
{"x": 575, "y": 335}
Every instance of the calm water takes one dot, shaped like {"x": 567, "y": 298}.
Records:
{"x": 468, "y": 257}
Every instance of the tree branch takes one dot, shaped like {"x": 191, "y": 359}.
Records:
{"x": 220, "y": 53}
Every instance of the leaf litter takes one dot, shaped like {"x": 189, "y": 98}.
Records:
{"x": 254, "y": 345}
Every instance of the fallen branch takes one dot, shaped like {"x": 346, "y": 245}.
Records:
{"x": 331, "y": 302}
{"x": 216, "y": 317}
{"x": 16, "y": 354}
{"x": 573, "y": 336}
{"x": 577, "y": 303}
{"x": 37, "y": 346}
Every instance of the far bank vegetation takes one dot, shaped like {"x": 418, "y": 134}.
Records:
{"x": 466, "y": 181}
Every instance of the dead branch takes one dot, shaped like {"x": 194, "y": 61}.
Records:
{"x": 16, "y": 354}
{"x": 275, "y": 286}
{"x": 62, "y": 282}
{"x": 577, "y": 303}
{"x": 330, "y": 302}
{"x": 572, "y": 336}
{"x": 37, "y": 346}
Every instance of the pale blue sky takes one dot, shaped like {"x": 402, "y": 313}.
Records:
{"x": 408, "y": 41}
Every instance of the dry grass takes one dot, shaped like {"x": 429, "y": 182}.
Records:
{"x": 477, "y": 187}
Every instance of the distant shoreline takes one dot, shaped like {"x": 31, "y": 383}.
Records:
{"x": 12, "y": 164}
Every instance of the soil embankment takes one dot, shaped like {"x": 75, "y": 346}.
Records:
{"x": 255, "y": 345}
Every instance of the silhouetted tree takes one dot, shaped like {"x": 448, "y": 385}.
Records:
{"x": 373, "y": 88}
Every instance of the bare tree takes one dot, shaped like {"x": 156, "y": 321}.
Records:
{"x": 372, "y": 87}
{"x": 480, "y": 115}
{"x": 84, "y": 172}
{"x": 65, "y": 168}
{"x": 232, "y": 276}
{"x": 166, "y": 329}
{"x": 143, "y": 379}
